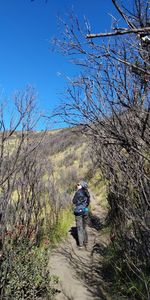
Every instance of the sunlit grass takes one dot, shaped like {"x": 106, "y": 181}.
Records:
{"x": 61, "y": 229}
{"x": 99, "y": 189}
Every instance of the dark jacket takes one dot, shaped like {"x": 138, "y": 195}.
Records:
{"x": 81, "y": 196}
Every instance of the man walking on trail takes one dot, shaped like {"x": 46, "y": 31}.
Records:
{"x": 81, "y": 201}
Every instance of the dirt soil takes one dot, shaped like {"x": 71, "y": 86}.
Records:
{"x": 80, "y": 271}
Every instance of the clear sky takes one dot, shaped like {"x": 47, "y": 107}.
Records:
{"x": 26, "y": 28}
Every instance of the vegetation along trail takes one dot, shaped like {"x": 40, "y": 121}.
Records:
{"x": 79, "y": 270}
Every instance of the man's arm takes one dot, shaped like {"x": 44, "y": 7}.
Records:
{"x": 88, "y": 198}
{"x": 75, "y": 198}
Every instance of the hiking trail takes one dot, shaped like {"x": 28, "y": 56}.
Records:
{"x": 79, "y": 271}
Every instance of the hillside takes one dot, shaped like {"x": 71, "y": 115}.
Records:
{"x": 69, "y": 155}
{"x": 71, "y": 159}
{"x": 39, "y": 173}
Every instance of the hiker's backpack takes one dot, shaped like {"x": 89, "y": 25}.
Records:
{"x": 81, "y": 210}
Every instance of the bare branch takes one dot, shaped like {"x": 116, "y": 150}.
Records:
{"x": 119, "y": 32}
{"x": 125, "y": 17}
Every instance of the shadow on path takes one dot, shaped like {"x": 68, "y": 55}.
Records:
{"x": 84, "y": 268}
{"x": 87, "y": 264}
{"x": 73, "y": 232}
{"x": 95, "y": 222}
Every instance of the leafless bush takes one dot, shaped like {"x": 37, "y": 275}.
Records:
{"x": 31, "y": 196}
{"x": 110, "y": 100}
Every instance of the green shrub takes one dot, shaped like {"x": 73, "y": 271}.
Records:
{"x": 125, "y": 281}
{"x": 24, "y": 275}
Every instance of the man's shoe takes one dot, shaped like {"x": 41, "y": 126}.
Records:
{"x": 85, "y": 245}
{"x": 80, "y": 247}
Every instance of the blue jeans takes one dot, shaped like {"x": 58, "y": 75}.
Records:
{"x": 81, "y": 223}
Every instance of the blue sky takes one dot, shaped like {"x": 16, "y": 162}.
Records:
{"x": 26, "y": 28}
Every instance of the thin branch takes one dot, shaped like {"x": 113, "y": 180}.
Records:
{"x": 122, "y": 14}
{"x": 118, "y": 32}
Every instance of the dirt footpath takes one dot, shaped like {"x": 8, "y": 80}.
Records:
{"x": 79, "y": 271}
